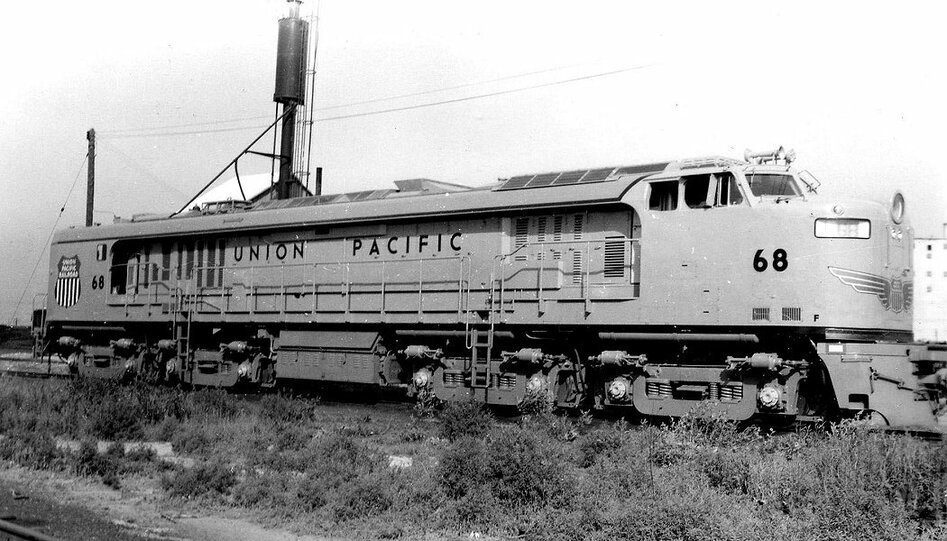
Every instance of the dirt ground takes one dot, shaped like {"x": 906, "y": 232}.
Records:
{"x": 70, "y": 507}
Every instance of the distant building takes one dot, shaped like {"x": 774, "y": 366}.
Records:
{"x": 930, "y": 288}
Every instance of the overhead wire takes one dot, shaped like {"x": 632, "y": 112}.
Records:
{"x": 140, "y": 167}
{"x": 485, "y": 95}
{"x": 406, "y": 107}
{"x": 339, "y": 106}
{"x": 50, "y": 237}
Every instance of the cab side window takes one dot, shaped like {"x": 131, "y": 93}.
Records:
{"x": 728, "y": 192}
{"x": 663, "y": 195}
{"x": 696, "y": 191}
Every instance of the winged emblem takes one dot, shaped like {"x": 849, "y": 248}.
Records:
{"x": 895, "y": 294}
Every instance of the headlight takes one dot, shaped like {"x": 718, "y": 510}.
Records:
{"x": 842, "y": 228}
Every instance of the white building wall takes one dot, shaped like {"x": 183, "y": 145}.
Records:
{"x": 930, "y": 289}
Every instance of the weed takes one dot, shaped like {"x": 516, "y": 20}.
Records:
{"x": 513, "y": 463}
{"x": 205, "y": 478}
{"x": 212, "y": 403}
{"x": 727, "y": 470}
{"x": 190, "y": 439}
{"x": 115, "y": 421}
{"x": 273, "y": 490}
{"x": 29, "y": 448}
{"x": 598, "y": 443}
{"x": 364, "y": 496}
{"x": 426, "y": 403}
{"x": 466, "y": 418}
{"x": 537, "y": 403}
{"x": 413, "y": 434}
{"x": 108, "y": 466}
{"x": 284, "y": 409}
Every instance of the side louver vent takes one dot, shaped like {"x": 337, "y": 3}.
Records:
{"x": 577, "y": 225}
{"x": 577, "y": 267}
{"x": 792, "y": 314}
{"x": 761, "y": 314}
{"x": 615, "y": 257}
{"x": 521, "y": 238}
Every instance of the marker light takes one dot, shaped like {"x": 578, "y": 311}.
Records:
{"x": 897, "y": 207}
{"x": 842, "y": 228}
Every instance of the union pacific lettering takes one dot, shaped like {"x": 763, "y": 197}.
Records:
{"x": 408, "y": 244}
{"x": 279, "y": 251}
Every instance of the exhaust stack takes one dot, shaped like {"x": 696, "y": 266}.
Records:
{"x": 290, "y": 91}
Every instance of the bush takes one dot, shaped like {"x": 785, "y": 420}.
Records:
{"x": 426, "y": 403}
{"x": 334, "y": 461}
{"x": 108, "y": 465}
{"x": 205, "y": 478}
{"x": 514, "y": 464}
{"x": 285, "y": 409}
{"x": 190, "y": 439}
{"x": 115, "y": 421}
{"x": 364, "y": 496}
{"x": 541, "y": 403}
{"x": 598, "y": 443}
{"x": 465, "y": 419}
{"x": 212, "y": 403}
{"x": 728, "y": 470}
{"x": 273, "y": 490}
{"x": 139, "y": 459}
{"x": 29, "y": 448}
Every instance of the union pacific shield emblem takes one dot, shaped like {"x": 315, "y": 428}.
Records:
{"x": 895, "y": 294}
{"x": 68, "y": 286}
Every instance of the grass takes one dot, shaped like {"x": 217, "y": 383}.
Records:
{"x": 323, "y": 468}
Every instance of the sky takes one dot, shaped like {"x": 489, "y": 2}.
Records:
{"x": 856, "y": 88}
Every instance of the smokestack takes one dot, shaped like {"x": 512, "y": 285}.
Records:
{"x": 290, "y": 88}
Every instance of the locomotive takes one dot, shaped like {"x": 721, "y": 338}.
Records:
{"x": 646, "y": 288}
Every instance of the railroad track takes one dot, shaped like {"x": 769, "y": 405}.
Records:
{"x": 23, "y": 364}
{"x": 11, "y": 531}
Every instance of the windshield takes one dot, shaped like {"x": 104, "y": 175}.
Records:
{"x": 775, "y": 184}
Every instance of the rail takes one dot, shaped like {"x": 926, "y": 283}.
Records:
{"x": 19, "y": 532}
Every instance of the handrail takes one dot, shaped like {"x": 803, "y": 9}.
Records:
{"x": 587, "y": 242}
{"x": 186, "y": 277}
{"x": 260, "y": 281}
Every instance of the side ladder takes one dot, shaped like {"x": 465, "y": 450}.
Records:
{"x": 481, "y": 340}
{"x": 182, "y": 312}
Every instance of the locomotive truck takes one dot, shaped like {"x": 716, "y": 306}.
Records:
{"x": 647, "y": 288}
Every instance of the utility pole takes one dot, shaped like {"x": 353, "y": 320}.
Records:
{"x": 90, "y": 186}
